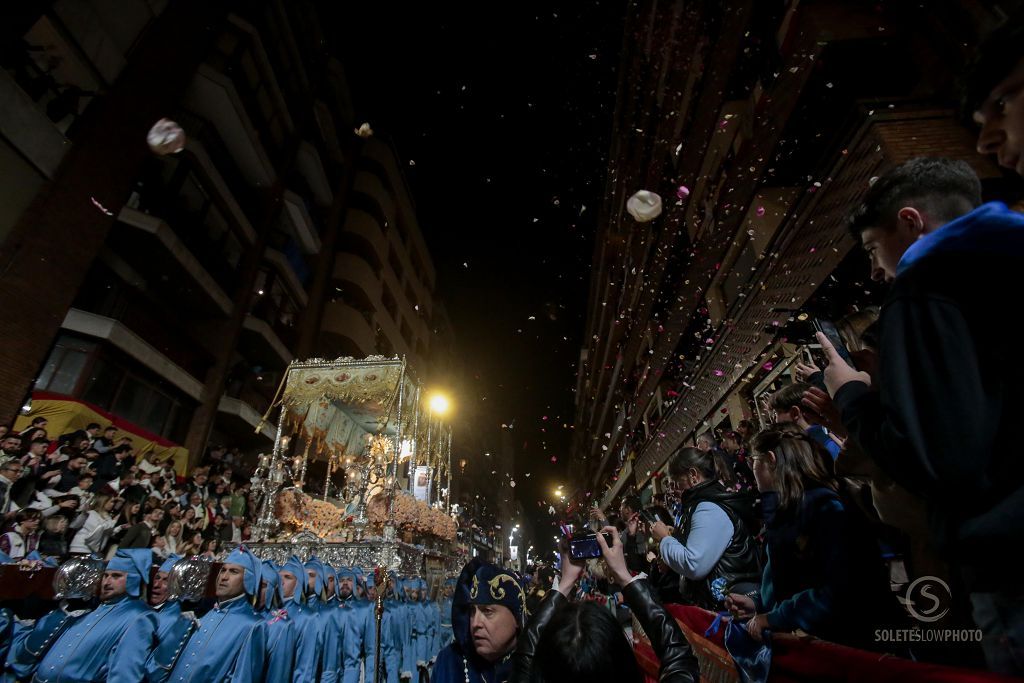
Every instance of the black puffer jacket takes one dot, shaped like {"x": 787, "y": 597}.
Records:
{"x": 678, "y": 663}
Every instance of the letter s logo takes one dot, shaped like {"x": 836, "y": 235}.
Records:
{"x": 928, "y": 599}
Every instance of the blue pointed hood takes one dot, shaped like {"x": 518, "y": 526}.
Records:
{"x": 991, "y": 228}
{"x": 320, "y": 585}
{"x": 295, "y": 566}
{"x": 269, "y": 574}
{"x": 167, "y": 564}
{"x": 252, "y": 565}
{"x": 135, "y": 562}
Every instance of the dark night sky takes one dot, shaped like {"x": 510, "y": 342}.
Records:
{"x": 505, "y": 112}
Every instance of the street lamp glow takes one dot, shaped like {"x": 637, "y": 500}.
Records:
{"x": 439, "y": 404}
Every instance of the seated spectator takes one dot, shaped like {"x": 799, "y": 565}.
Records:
{"x": 53, "y": 542}
{"x": 788, "y": 404}
{"x": 37, "y": 423}
{"x": 148, "y": 463}
{"x": 141, "y": 534}
{"x": 823, "y": 574}
{"x": 582, "y": 642}
{"x": 66, "y": 478}
{"x": 10, "y": 447}
{"x": 24, "y": 537}
{"x": 105, "y": 443}
{"x": 35, "y": 456}
{"x": 713, "y": 546}
{"x": 95, "y": 526}
{"x": 193, "y": 546}
{"x": 111, "y": 465}
{"x": 173, "y": 538}
{"x": 10, "y": 472}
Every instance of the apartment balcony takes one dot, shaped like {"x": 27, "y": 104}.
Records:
{"x": 124, "y": 335}
{"x": 344, "y": 320}
{"x": 354, "y": 269}
{"x": 185, "y": 269}
{"x": 300, "y": 223}
{"x": 311, "y": 167}
{"x": 213, "y": 96}
{"x": 267, "y": 336}
{"x": 284, "y": 263}
{"x": 369, "y": 234}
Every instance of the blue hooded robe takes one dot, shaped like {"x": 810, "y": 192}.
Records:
{"x": 230, "y": 643}
{"x": 480, "y": 583}
{"x": 109, "y": 643}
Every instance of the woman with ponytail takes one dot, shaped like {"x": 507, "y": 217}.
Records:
{"x": 712, "y": 546}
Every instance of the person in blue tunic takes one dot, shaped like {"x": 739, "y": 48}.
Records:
{"x": 282, "y": 634}
{"x": 320, "y": 581}
{"x": 488, "y": 613}
{"x": 444, "y": 604}
{"x": 391, "y": 640}
{"x": 346, "y": 612}
{"x": 355, "y": 629}
{"x": 108, "y": 643}
{"x": 6, "y": 619}
{"x": 408, "y": 617}
{"x": 309, "y": 643}
{"x": 428, "y": 635}
{"x": 177, "y": 602}
{"x": 168, "y": 612}
{"x": 230, "y": 643}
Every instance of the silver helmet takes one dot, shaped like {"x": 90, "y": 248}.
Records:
{"x": 78, "y": 578}
{"x": 188, "y": 577}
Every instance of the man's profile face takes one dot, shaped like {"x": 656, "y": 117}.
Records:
{"x": 288, "y": 583}
{"x": 885, "y": 248}
{"x": 311, "y": 576}
{"x": 1001, "y": 117}
{"x": 230, "y": 581}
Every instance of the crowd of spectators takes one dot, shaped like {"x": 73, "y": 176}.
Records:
{"x": 901, "y": 446}
{"x": 90, "y": 492}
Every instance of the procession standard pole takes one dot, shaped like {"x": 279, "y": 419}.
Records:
{"x": 384, "y": 581}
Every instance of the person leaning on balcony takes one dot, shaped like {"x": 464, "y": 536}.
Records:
{"x": 712, "y": 547}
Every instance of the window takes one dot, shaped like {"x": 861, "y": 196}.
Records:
{"x": 64, "y": 366}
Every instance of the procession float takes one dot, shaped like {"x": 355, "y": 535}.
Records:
{"x": 386, "y": 453}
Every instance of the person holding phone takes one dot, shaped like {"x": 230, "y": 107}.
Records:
{"x": 789, "y": 406}
{"x": 713, "y": 545}
{"x": 567, "y": 641}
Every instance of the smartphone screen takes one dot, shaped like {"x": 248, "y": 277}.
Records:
{"x": 828, "y": 328}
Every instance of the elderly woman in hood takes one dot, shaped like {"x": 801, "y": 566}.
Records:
{"x": 488, "y": 613}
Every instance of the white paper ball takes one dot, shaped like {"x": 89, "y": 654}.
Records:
{"x": 166, "y": 137}
{"x": 644, "y": 206}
